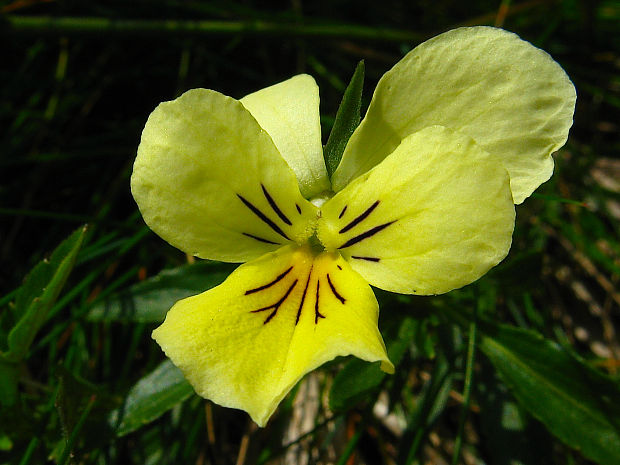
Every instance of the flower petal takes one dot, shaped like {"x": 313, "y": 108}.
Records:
{"x": 512, "y": 98}
{"x": 210, "y": 181}
{"x": 289, "y": 112}
{"x": 245, "y": 343}
{"x": 433, "y": 216}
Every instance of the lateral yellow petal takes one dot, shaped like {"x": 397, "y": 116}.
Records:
{"x": 433, "y": 216}
{"x": 209, "y": 180}
{"x": 289, "y": 112}
{"x": 511, "y": 97}
{"x": 247, "y": 342}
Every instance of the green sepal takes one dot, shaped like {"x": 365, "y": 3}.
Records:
{"x": 39, "y": 292}
{"x": 347, "y": 119}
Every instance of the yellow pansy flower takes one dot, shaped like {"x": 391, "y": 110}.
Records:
{"x": 422, "y": 202}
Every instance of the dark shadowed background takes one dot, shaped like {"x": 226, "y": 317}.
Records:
{"x": 77, "y": 82}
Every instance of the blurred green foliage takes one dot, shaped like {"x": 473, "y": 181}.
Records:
{"x": 86, "y": 384}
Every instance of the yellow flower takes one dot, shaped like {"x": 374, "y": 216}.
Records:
{"x": 421, "y": 203}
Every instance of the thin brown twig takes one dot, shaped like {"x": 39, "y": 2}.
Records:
{"x": 502, "y": 12}
{"x": 19, "y": 4}
{"x": 243, "y": 449}
{"x": 489, "y": 18}
{"x": 209, "y": 421}
{"x": 589, "y": 267}
{"x": 586, "y": 264}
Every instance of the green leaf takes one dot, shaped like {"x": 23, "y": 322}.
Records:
{"x": 148, "y": 301}
{"x": 347, "y": 119}
{"x": 9, "y": 376}
{"x": 39, "y": 292}
{"x": 359, "y": 378}
{"x": 509, "y": 434}
{"x": 150, "y": 398}
{"x": 577, "y": 404}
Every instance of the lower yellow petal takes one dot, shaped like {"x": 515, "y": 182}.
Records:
{"x": 246, "y": 343}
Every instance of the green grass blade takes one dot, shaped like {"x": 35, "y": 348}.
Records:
{"x": 431, "y": 403}
{"x": 351, "y": 445}
{"x": 96, "y": 25}
{"x": 74, "y": 433}
{"x": 469, "y": 373}
{"x": 32, "y": 446}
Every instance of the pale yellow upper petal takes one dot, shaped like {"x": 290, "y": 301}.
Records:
{"x": 289, "y": 112}
{"x": 511, "y": 97}
{"x": 247, "y": 342}
{"x": 209, "y": 180}
{"x": 435, "y": 215}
